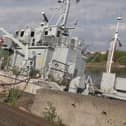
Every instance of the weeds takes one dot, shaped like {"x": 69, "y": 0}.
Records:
{"x": 50, "y": 115}
{"x": 13, "y": 96}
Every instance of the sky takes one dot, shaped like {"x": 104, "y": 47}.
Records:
{"x": 96, "y": 18}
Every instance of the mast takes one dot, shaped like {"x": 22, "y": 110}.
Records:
{"x": 64, "y": 17}
{"x": 113, "y": 47}
{"x": 66, "y": 13}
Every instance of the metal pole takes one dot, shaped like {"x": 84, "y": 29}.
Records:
{"x": 66, "y": 13}
{"x": 113, "y": 47}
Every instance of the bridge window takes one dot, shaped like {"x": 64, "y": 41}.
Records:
{"x": 33, "y": 42}
{"x": 22, "y": 33}
{"x": 32, "y": 34}
{"x": 58, "y": 34}
{"x": 46, "y": 32}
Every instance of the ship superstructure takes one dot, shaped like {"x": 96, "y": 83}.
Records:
{"x": 48, "y": 49}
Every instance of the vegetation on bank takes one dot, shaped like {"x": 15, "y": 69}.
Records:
{"x": 13, "y": 96}
{"x": 50, "y": 115}
{"x": 119, "y": 58}
{"x": 4, "y": 58}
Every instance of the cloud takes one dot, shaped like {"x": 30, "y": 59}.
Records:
{"x": 96, "y": 18}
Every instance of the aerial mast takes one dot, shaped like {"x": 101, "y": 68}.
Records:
{"x": 113, "y": 47}
{"x": 66, "y": 13}
{"x": 64, "y": 17}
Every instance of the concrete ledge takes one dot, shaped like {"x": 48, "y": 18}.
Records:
{"x": 78, "y": 110}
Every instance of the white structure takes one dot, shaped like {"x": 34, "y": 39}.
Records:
{"x": 48, "y": 49}
{"x": 113, "y": 47}
{"x": 82, "y": 85}
{"x": 112, "y": 86}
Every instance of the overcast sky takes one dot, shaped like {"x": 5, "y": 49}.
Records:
{"x": 96, "y": 18}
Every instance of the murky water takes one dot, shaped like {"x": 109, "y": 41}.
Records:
{"x": 97, "y": 74}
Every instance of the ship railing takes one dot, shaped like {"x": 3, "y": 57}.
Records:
{"x": 53, "y": 41}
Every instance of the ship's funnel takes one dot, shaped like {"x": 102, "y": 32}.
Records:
{"x": 45, "y": 17}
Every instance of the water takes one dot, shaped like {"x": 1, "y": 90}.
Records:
{"x": 96, "y": 74}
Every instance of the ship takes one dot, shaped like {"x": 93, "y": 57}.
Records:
{"x": 47, "y": 56}
{"x": 47, "y": 52}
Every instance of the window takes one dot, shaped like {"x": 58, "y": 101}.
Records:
{"x": 32, "y": 34}
{"x": 58, "y": 34}
{"x": 17, "y": 32}
{"x": 22, "y": 33}
{"x": 33, "y": 40}
{"x": 33, "y": 43}
{"x": 31, "y": 63}
{"x": 46, "y": 32}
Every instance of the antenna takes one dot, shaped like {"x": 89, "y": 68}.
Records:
{"x": 113, "y": 47}
{"x": 45, "y": 17}
{"x": 65, "y": 18}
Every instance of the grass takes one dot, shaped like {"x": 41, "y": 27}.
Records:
{"x": 50, "y": 115}
{"x": 13, "y": 96}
